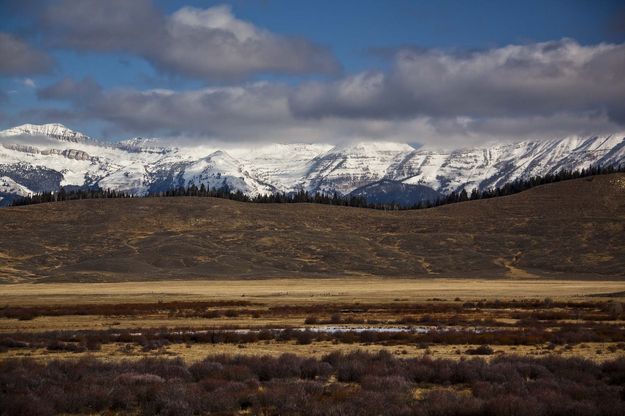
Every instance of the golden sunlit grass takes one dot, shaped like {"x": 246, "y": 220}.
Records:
{"x": 596, "y": 351}
{"x": 304, "y": 291}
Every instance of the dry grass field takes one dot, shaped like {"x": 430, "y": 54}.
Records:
{"x": 305, "y": 290}
{"x": 75, "y": 312}
{"x": 269, "y": 293}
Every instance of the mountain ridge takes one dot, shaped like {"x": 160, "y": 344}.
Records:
{"x": 64, "y": 157}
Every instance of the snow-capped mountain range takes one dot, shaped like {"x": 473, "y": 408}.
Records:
{"x": 36, "y": 158}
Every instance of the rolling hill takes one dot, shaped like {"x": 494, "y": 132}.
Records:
{"x": 572, "y": 229}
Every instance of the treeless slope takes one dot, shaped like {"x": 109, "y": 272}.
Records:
{"x": 570, "y": 229}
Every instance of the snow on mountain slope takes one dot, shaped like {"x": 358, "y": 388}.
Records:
{"x": 282, "y": 165}
{"x": 219, "y": 170}
{"x": 345, "y": 168}
{"x": 143, "y": 145}
{"x": 55, "y": 130}
{"x": 9, "y": 186}
{"x": 46, "y": 157}
{"x": 495, "y": 165}
{"x": 10, "y": 189}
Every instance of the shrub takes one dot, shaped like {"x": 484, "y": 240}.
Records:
{"x": 171, "y": 399}
{"x": 370, "y": 384}
{"x": 11, "y": 343}
{"x": 481, "y": 350}
{"x": 212, "y": 314}
{"x": 304, "y": 337}
{"x": 443, "y": 402}
{"x": 237, "y": 372}
{"x": 227, "y": 398}
{"x": 138, "y": 378}
{"x": 312, "y": 369}
{"x": 65, "y": 346}
{"x": 614, "y": 309}
{"x": 231, "y": 313}
{"x": 311, "y": 320}
{"x": 205, "y": 369}
{"x": 386, "y": 383}
{"x": 350, "y": 371}
{"x": 289, "y": 397}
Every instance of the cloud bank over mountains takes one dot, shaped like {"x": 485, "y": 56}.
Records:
{"x": 438, "y": 97}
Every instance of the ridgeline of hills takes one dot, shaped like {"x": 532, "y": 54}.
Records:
{"x": 44, "y": 158}
{"x": 570, "y": 229}
{"x": 395, "y": 195}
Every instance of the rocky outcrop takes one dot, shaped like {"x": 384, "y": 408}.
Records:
{"x": 76, "y": 154}
{"x": 68, "y": 153}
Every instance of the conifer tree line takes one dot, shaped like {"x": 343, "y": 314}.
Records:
{"x": 302, "y": 196}
{"x": 65, "y": 194}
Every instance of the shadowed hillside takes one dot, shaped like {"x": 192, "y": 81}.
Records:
{"x": 569, "y": 229}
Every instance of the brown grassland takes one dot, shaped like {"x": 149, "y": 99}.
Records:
{"x": 566, "y": 230}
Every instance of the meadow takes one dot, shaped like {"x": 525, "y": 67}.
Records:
{"x": 314, "y": 346}
{"x": 186, "y": 319}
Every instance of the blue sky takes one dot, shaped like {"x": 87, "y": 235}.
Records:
{"x": 311, "y": 56}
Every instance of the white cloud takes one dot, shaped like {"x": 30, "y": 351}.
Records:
{"x": 206, "y": 43}
{"x": 28, "y": 82}
{"x": 216, "y": 18}
{"x": 542, "y": 79}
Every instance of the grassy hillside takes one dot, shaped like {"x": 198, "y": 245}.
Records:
{"x": 568, "y": 229}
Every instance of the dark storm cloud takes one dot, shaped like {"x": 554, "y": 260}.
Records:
{"x": 18, "y": 58}
{"x": 514, "y": 81}
{"x": 68, "y": 89}
{"x": 202, "y": 43}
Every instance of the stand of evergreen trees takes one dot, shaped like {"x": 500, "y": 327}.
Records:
{"x": 276, "y": 198}
{"x": 69, "y": 195}
{"x": 301, "y": 196}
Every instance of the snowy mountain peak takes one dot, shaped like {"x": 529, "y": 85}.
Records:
{"x": 142, "y": 165}
{"x": 54, "y": 130}
{"x": 280, "y": 150}
{"x": 368, "y": 148}
{"x": 220, "y": 154}
{"x": 141, "y": 144}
